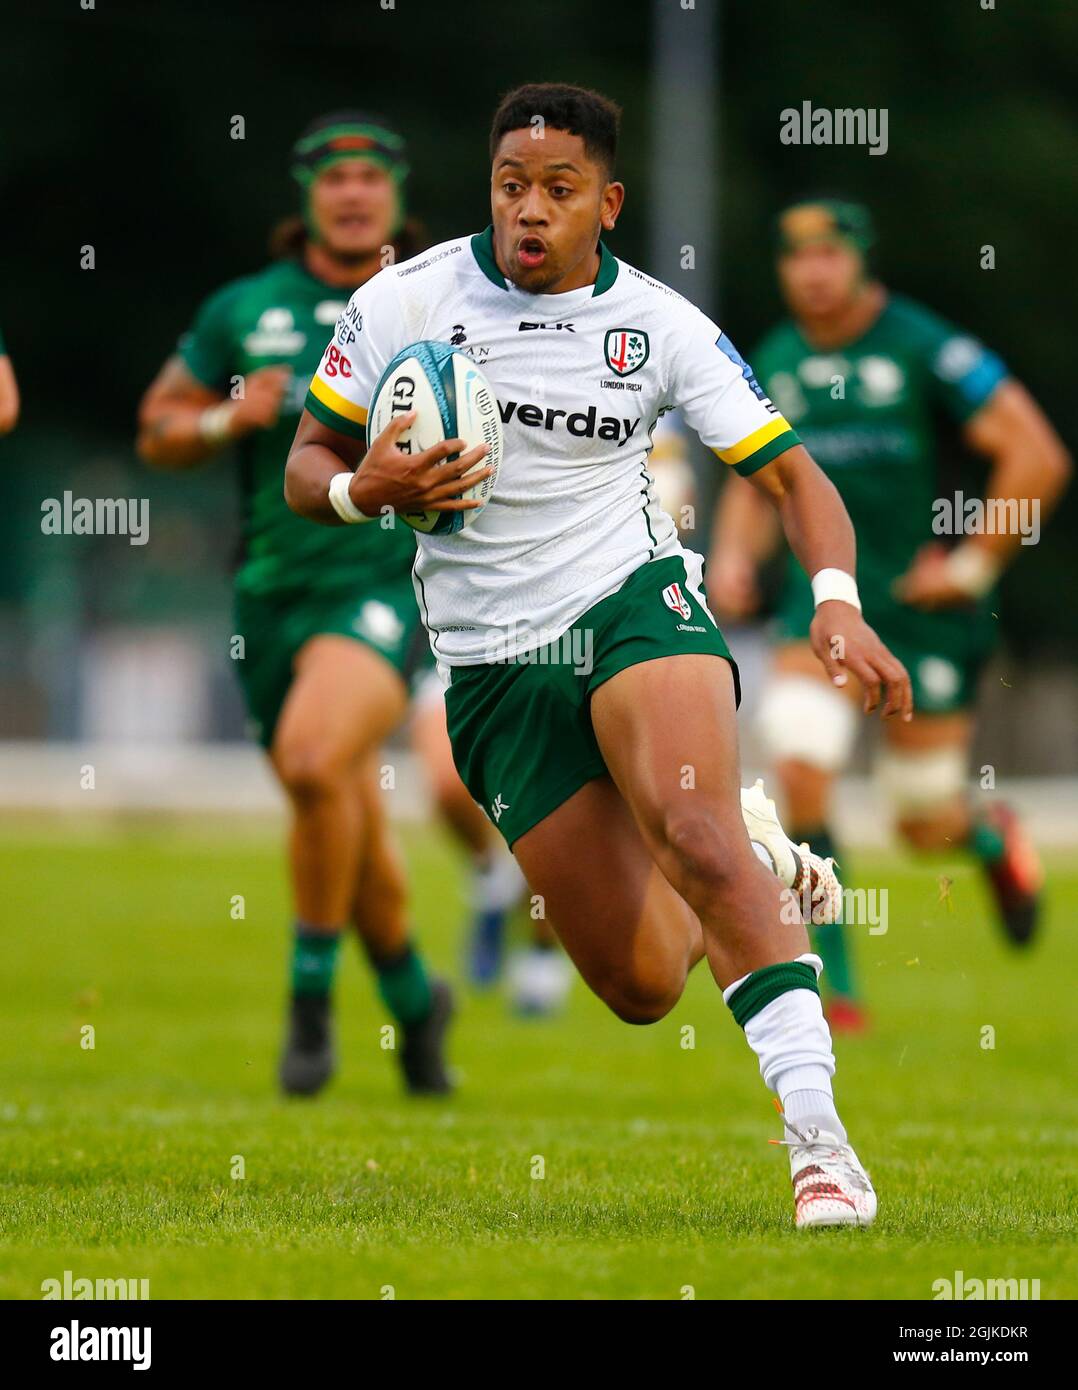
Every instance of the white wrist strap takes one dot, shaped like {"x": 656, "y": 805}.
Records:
{"x": 340, "y": 501}
{"x": 213, "y": 423}
{"x": 972, "y": 569}
{"x": 835, "y": 584}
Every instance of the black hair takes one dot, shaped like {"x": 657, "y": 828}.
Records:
{"x": 574, "y": 109}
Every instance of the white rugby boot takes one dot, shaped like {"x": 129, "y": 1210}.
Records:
{"x": 813, "y": 879}
{"x": 831, "y": 1187}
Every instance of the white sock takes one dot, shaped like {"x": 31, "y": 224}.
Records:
{"x": 806, "y": 1099}
{"x": 791, "y": 1038}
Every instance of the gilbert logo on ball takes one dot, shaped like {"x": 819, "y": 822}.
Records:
{"x": 452, "y": 399}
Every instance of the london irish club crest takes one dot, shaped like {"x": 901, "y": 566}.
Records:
{"x": 626, "y": 350}
{"x": 676, "y": 600}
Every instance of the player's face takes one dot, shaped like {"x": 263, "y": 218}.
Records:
{"x": 820, "y": 278}
{"x": 354, "y": 205}
{"x": 549, "y": 203}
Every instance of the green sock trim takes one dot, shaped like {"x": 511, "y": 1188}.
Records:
{"x": 404, "y": 986}
{"x": 762, "y": 986}
{"x": 314, "y": 960}
{"x": 986, "y": 841}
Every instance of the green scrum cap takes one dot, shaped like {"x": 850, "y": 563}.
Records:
{"x": 824, "y": 219}
{"x": 349, "y": 135}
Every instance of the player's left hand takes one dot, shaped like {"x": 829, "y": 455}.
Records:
{"x": 846, "y": 645}
{"x": 927, "y": 583}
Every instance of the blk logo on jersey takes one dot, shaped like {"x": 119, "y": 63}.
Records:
{"x": 676, "y": 600}
{"x": 626, "y": 350}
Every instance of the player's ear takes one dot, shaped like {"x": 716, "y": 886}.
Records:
{"x": 610, "y": 208}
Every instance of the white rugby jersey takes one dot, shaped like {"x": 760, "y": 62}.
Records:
{"x": 581, "y": 380}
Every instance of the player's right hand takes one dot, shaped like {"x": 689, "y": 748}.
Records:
{"x": 259, "y": 407}
{"x": 424, "y": 482}
{"x": 731, "y": 585}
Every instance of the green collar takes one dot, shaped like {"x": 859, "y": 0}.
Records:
{"x": 483, "y": 251}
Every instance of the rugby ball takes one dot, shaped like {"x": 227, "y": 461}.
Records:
{"x": 452, "y": 400}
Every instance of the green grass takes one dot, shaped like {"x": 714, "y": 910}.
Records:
{"x": 116, "y": 1161}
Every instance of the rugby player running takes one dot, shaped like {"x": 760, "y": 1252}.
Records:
{"x": 614, "y": 780}
{"x": 328, "y": 620}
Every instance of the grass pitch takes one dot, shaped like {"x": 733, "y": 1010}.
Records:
{"x": 121, "y": 1161}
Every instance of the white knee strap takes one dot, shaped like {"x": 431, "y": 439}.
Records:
{"x": 804, "y": 719}
{"x": 920, "y": 781}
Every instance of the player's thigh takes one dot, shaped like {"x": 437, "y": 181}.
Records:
{"x": 668, "y": 733}
{"x": 344, "y": 700}
{"x": 628, "y": 932}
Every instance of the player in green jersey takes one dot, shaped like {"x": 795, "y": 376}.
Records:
{"x": 876, "y": 385}
{"x": 9, "y": 392}
{"x": 329, "y": 624}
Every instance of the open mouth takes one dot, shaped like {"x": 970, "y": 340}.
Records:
{"x": 531, "y": 252}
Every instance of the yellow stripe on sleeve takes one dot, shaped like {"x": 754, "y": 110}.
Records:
{"x": 334, "y": 401}
{"x": 737, "y": 453}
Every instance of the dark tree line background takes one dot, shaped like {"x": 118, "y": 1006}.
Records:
{"x": 116, "y": 126}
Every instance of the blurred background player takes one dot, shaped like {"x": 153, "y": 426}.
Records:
{"x": 875, "y": 384}
{"x": 328, "y": 619}
{"x": 9, "y": 392}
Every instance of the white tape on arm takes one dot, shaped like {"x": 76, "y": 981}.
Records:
{"x": 340, "y": 501}
{"x": 973, "y": 569}
{"x": 835, "y": 584}
{"x": 215, "y": 423}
